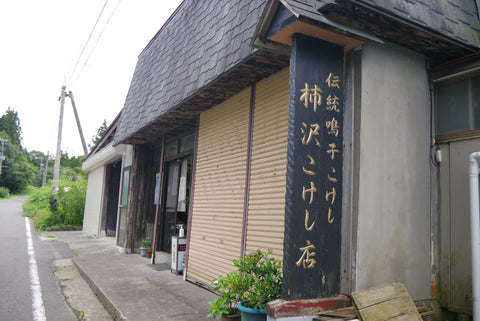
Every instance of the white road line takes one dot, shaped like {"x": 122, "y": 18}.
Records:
{"x": 38, "y": 310}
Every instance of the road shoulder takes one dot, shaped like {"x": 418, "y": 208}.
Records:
{"x": 78, "y": 294}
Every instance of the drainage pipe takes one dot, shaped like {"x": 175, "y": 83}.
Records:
{"x": 475, "y": 232}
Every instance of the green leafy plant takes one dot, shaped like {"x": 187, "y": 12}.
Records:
{"x": 146, "y": 243}
{"x": 232, "y": 289}
{"x": 38, "y": 201}
{"x": 4, "y": 192}
{"x": 71, "y": 201}
{"x": 63, "y": 211}
{"x": 263, "y": 275}
{"x": 257, "y": 280}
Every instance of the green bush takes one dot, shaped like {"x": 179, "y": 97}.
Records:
{"x": 146, "y": 243}
{"x": 263, "y": 274}
{"x": 71, "y": 201}
{"x": 4, "y": 192}
{"x": 63, "y": 211}
{"x": 257, "y": 280}
{"x": 38, "y": 200}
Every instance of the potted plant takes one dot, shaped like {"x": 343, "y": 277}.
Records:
{"x": 231, "y": 291}
{"x": 146, "y": 248}
{"x": 256, "y": 281}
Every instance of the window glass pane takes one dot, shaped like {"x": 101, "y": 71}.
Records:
{"x": 452, "y": 108}
{"x": 126, "y": 182}
{"x": 172, "y": 187}
{"x": 476, "y": 100}
{"x": 171, "y": 148}
{"x": 186, "y": 143}
{"x": 182, "y": 188}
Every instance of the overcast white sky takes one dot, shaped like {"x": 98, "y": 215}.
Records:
{"x": 40, "y": 42}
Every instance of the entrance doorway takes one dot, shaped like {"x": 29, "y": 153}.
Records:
{"x": 176, "y": 199}
{"x": 111, "y": 196}
{"x": 123, "y": 208}
{"x": 456, "y": 255}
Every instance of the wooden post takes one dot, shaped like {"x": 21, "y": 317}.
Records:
{"x": 132, "y": 202}
{"x": 159, "y": 197}
{"x": 313, "y": 203}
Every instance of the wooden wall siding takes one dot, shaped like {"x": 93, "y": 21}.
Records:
{"x": 217, "y": 209}
{"x": 141, "y": 207}
{"x": 266, "y": 209}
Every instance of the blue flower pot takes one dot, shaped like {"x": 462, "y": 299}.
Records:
{"x": 143, "y": 251}
{"x": 249, "y": 314}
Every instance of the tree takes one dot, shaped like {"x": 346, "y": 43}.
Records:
{"x": 38, "y": 159}
{"x": 101, "y": 130}
{"x": 71, "y": 167}
{"x": 10, "y": 124}
{"x": 17, "y": 171}
{"x": 73, "y": 161}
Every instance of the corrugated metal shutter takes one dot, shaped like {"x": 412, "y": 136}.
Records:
{"x": 266, "y": 209}
{"x": 218, "y": 198}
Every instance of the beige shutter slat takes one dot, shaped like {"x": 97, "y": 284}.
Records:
{"x": 219, "y": 189}
{"x": 266, "y": 209}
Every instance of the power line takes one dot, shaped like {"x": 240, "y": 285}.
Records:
{"x": 88, "y": 40}
{"x": 96, "y": 43}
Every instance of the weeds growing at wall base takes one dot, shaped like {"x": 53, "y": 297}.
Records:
{"x": 63, "y": 211}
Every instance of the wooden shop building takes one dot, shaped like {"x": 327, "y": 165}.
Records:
{"x": 330, "y": 132}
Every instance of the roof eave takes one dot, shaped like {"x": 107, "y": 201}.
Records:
{"x": 319, "y": 27}
{"x": 334, "y": 16}
{"x": 182, "y": 116}
{"x": 396, "y": 29}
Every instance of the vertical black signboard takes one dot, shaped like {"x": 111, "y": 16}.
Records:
{"x": 312, "y": 242}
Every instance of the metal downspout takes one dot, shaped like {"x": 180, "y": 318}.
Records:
{"x": 475, "y": 233}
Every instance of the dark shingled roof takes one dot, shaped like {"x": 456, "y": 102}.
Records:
{"x": 203, "y": 54}
{"x": 456, "y": 19}
{"x": 440, "y": 29}
{"x": 200, "y": 42}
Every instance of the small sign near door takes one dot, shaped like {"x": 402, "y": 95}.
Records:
{"x": 179, "y": 247}
{"x": 182, "y": 188}
{"x": 157, "y": 190}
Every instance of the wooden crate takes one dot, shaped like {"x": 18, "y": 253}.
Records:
{"x": 386, "y": 302}
{"x": 345, "y": 314}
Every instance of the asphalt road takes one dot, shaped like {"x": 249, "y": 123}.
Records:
{"x": 24, "y": 293}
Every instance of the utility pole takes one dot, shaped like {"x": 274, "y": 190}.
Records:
{"x": 85, "y": 150}
{"x": 45, "y": 170}
{"x": 2, "y": 157}
{"x": 56, "y": 171}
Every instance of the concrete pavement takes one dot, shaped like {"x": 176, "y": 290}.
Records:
{"x": 78, "y": 294}
{"x": 28, "y": 287}
{"x": 129, "y": 288}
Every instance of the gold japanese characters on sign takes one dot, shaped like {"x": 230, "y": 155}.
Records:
{"x": 333, "y": 81}
{"x": 311, "y": 97}
{"x": 306, "y": 259}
